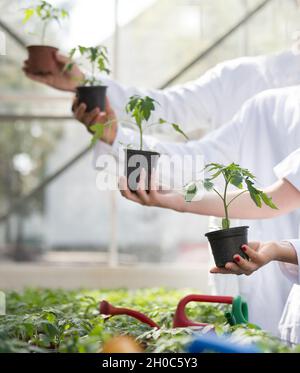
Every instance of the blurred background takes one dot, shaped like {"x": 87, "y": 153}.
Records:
{"x": 50, "y": 209}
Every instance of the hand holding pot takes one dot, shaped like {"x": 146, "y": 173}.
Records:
{"x": 259, "y": 254}
{"x": 154, "y": 197}
{"x": 107, "y": 118}
{"x": 60, "y": 79}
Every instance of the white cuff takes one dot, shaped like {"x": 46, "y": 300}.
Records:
{"x": 291, "y": 271}
{"x": 289, "y": 169}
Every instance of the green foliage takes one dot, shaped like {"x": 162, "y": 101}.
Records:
{"x": 46, "y": 13}
{"x": 232, "y": 174}
{"x": 68, "y": 321}
{"x": 98, "y": 130}
{"x": 140, "y": 109}
{"x": 98, "y": 59}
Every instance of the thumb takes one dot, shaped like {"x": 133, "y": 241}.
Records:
{"x": 254, "y": 245}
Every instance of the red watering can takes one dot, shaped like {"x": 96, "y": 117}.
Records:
{"x": 238, "y": 314}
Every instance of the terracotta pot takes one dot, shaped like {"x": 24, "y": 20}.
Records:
{"x": 227, "y": 243}
{"x": 135, "y": 161}
{"x": 41, "y": 60}
{"x": 93, "y": 97}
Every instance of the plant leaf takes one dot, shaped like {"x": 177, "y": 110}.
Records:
{"x": 237, "y": 180}
{"x": 179, "y": 130}
{"x": 191, "y": 191}
{"x": 208, "y": 185}
{"x": 268, "y": 201}
{"x": 98, "y": 130}
{"x": 254, "y": 193}
{"x": 28, "y": 14}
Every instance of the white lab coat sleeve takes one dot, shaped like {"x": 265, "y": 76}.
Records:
{"x": 193, "y": 105}
{"x": 214, "y": 98}
{"x": 289, "y": 169}
{"x": 222, "y": 145}
{"x": 291, "y": 271}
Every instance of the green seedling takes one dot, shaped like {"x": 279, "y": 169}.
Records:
{"x": 140, "y": 110}
{"x": 47, "y": 13}
{"x": 234, "y": 175}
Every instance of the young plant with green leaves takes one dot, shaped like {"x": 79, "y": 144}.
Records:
{"x": 234, "y": 175}
{"x": 140, "y": 110}
{"x": 98, "y": 59}
{"x": 60, "y": 321}
{"x": 47, "y": 13}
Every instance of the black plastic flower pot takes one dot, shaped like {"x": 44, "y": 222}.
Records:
{"x": 227, "y": 243}
{"x": 41, "y": 60}
{"x": 135, "y": 161}
{"x": 93, "y": 97}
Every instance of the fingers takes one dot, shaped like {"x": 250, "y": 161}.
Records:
{"x": 230, "y": 269}
{"x": 125, "y": 192}
{"x": 75, "y": 104}
{"x": 221, "y": 271}
{"x": 254, "y": 245}
{"x": 251, "y": 252}
{"x": 233, "y": 267}
{"x": 61, "y": 58}
{"x": 93, "y": 117}
{"x": 37, "y": 78}
{"x": 153, "y": 185}
{"x": 140, "y": 196}
{"x": 244, "y": 266}
{"x": 107, "y": 105}
{"x": 79, "y": 112}
{"x": 141, "y": 192}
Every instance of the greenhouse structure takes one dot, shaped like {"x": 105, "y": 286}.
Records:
{"x": 149, "y": 190}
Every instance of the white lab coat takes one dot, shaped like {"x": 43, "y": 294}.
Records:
{"x": 211, "y": 101}
{"x": 214, "y": 98}
{"x": 289, "y": 325}
{"x": 265, "y": 131}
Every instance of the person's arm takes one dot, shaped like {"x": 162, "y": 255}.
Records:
{"x": 62, "y": 79}
{"x": 207, "y": 102}
{"x": 285, "y": 196}
{"x": 215, "y": 97}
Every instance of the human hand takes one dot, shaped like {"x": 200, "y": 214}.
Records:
{"x": 107, "y": 118}
{"x": 155, "y": 197}
{"x": 62, "y": 79}
{"x": 259, "y": 254}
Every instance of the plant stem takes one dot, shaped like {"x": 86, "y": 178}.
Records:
{"x": 226, "y": 223}
{"x": 45, "y": 25}
{"x": 236, "y": 197}
{"x": 141, "y": 138}
{"x": 93, "y": 73}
